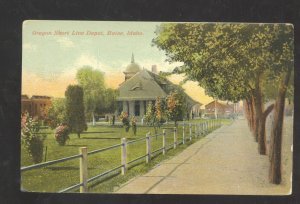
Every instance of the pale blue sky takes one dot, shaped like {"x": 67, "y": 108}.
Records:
{"x": 52, "y": 55}
{"x": 50, "y": 62}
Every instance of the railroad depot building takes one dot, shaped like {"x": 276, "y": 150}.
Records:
{"x": 221, "y": 109}
{"x": 36, "y": 106}
{"x": 142, "y": 86}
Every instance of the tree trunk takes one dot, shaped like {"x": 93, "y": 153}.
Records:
{"x": 253, "y": 118}
{"x": 258, "y": 115}
{"x": 262, "y": 136}
{"x": 251, "y": 115}
{"x": 247, "y": 112}
{"x": 262, "y": 130}
{"x": 260, "y": 120}
{"x": 276, "y": 134}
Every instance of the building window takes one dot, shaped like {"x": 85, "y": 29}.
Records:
{"x": 137, "y": 108}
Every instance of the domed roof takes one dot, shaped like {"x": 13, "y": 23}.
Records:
{"x": 132, "y": 67}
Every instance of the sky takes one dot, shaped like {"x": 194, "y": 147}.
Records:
{"x": 53, "y": 51}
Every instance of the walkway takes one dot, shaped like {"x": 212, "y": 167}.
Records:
{"x": 224, "y": 162}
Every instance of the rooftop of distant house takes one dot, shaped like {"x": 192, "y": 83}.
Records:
{"x": 25, "y": 96}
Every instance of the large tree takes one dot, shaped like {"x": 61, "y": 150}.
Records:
{"x": 230, "y": 61}
{"x": 92, "y": 82}
{"x": 57, "y": 113}
{"x": 108, "y": 104}
{"x": 75, "y": 116}
{"x": 283, "y": 68}
{"x": 175, "y": 106}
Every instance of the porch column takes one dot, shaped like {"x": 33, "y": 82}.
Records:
{"x": 142, "y": 108}
{"x": 131, "y": 108}
{"x": 124, "y": 106}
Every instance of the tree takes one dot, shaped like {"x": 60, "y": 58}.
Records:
{"x": 154, "y": 114}
{"x": 175, "y": 103}
{"x": 232, "y": 62}
{"x": 57, "y": 113}
{"x": 283, "y": 67}
{"x": 108, "y": 105}
{"x": 92, "y": 83}
{"x": 228, "y": 60}
{"x": 31, "y": 137}
{"x": 75, "y": 116}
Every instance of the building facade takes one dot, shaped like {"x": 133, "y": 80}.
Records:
{"x": 142, "y": 87}
{"x": 216, "y": 109}
{"x": 36, "y": 106}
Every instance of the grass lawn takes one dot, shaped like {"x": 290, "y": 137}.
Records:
{"x": 62, "y": 175}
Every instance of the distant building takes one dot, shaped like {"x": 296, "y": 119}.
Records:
{"x": 36, "y": 106}
{"x": 221, "y": 109}
{"x": 142, "y": 86}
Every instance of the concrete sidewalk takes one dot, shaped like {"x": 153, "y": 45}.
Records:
{"x": 224, "y": 162}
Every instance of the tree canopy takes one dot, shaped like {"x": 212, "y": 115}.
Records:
{"x": 92, "y": 83}
{"x": 216, "y": 54}
{"x": 75, "y": 116}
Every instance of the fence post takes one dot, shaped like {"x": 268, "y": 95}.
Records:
{"x": 83, "y": 169}
{"x": 201, "y": 127}
{"x": 123, "y": 155}
{"x": 195, "y": 130}
{"x": 164, "y": 142}
{"x": 148, "y": 147}
{"x": 183, "y": 134}
{"x": 175, "y": 137}
{"x": 190, "y": 132}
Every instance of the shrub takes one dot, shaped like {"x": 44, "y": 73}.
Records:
{"x": 75, "y": 116}
{"x": 133, "y": 124}
{"x": 62, "y": 134}
{"x": 125, "y": 120}
{"x": 31, "y": 138}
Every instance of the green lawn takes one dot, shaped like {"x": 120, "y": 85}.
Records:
{"x": 59, "y": 176}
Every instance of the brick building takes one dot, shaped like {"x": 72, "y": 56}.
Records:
{"x": 36, "y": 106}
{"x": 220, "y": 109}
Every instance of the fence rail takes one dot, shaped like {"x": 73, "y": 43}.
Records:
{"x": 189, "y": 130}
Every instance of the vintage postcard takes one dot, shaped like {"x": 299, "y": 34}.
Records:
{"x": 157, "y": 107}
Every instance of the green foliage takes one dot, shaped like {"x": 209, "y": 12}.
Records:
{"x": 227, "y": 60}
{"x": 31, "y": 138}
{"x": 133, "y": 124}
{"x": 125, "y": 120}
{"x": 175, "y": 106}
{"x": 92, "y": 83}
{"x": 56, "y": 113}
{"x": 155, "y": 114}
{"x": 97, "y": 98}
{"x": 62, "y": 134}
{"x": 75, "y": 116}
{"x": 108, "y": 105}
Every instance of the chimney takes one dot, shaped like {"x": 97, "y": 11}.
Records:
{"x": 154, "y": 69}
